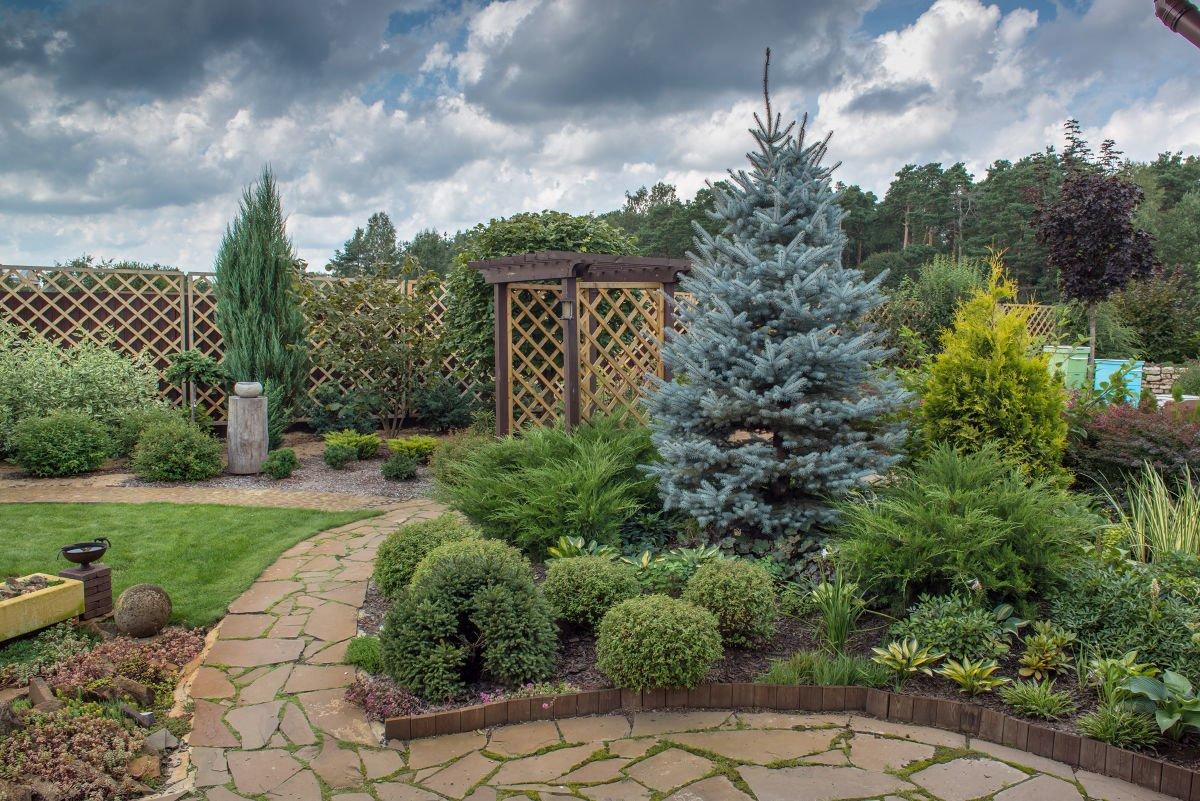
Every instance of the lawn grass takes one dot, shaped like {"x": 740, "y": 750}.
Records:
{"x": 203, "y": 555}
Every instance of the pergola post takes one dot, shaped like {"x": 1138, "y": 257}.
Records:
{"x": 668, "y": 322}
{"x": 570, "y": 324}
{"x": 502, "y": 340}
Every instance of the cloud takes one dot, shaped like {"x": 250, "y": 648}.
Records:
{"x": 129, "y": 127}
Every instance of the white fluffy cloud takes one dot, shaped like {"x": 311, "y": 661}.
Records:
{"x": 445, "y": 117}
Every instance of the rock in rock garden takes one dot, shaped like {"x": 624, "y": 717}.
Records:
{"x": 142, "y": 610}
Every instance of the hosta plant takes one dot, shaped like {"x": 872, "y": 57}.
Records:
{"x": 906, "y": 658}
{"x": 1171, "y": 700}
{"x": 973, "y": 678}
{"x": 570, "y": 547}
{"x": 1046, "y": 651}
{"x": 1109, "y": 674}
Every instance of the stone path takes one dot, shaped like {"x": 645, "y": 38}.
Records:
{"x": 102, "y": 489}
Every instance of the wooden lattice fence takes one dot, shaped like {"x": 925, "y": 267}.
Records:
{"x": 152, "y": 315}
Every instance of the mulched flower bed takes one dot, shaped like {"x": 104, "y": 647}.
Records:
{"x": 576, "y": 670}
{"x": 313, "y": 475}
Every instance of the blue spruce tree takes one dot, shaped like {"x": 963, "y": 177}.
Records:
{"x": 778, "y": 403}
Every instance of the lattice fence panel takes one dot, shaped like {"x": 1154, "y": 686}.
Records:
{"x": 139, "y": 312}
{"x": 1041, "y": 320}
{"x": 620, "y": 327}
{"x": 536, "y": 377}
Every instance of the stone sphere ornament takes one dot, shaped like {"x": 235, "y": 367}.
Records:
{"x": 142, "y": 610}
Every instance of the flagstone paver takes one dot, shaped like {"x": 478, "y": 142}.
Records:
{"x": 271, "y": 722}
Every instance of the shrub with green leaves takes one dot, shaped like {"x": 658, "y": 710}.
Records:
{"x": 532, "y": 489}
{"x": 955, "y": 625}
{"x": 39, "y": 377}
{"x": 418, "y": 446}
{"x": 657, "y": 641}
{"x": 399, "y": 467}
{"x": 177, "y": 451}
{"x": 338, "y": 456}
{"x": 471, "y": 608}
{"x": 741, "y": 594}
{"x": 1188, "y": 382}
{"x": 332, "y": 408}
{"x": 1115, "y": 608}
{"x": 1038, "y": 699}
{"x": 403, "y": 549}
{"x": 131, "y": 425}
{"x": 583, "y": 588}
{"x": 281, "y": 463}
{"x": 823, "y": 668}
{"x": 956, "y": 519}
{"x": 443, "y": 406}
{"x": 365, "y": 446}
{"x": 60, "y": 444}
{"x": 364, "y": 652}
{"x": 453, "y": 449}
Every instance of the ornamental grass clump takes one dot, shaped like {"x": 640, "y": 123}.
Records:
{"x": 657, "y": 641}
{"x": 741, "y": 595}
{"x": 471, "y": 611}
{"x": 583, "y": 588}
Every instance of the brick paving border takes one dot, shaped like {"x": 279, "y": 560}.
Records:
{"x": 48, "y": 491}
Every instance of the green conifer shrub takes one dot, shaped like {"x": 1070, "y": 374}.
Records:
{"x": 956, "y": 518}
{"x": 777, "y": 402}
{"x": 471, "y": 610}
{"x": 988, "y": 387}
{"x": 339, "y": 455}
{"x": 657, "y": 641}
{"x": 583, "y": 588}
{"x": 60, "y": 444}
{"x": 400, "y": 467}
{"x": 403, "y": 549}
{"x": 258, "y": 311}
{"x": 741, "y": 594}
{"x": 281, "y": 463}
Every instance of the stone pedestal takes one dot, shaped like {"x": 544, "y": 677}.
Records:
{"x": 97, "y": 588}
{"x": 246, "y": 435}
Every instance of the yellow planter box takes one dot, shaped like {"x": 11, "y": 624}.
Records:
{"x": 40, "y": 608}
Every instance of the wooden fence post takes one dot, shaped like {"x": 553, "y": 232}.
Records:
{"x": 668, "y": 323}
{"x": 502, "y": 342}
{"x": 570, "y": 323}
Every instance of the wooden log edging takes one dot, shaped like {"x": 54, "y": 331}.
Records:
{"x": 959, "y": 716}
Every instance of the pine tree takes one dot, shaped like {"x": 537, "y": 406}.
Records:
{"x": 258, "y": 313}
{"x": 777, "y": 405}
{"x": 370, "y": 252}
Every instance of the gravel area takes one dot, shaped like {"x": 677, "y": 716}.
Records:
{"x": 313, "y": 475}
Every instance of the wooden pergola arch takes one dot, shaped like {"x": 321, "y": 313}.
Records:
{"x": 539, "y": 300}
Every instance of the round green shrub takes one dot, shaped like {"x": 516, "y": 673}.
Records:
{"x": 741, "y": 595}
{"x": 404, "y": 548}
{"x": 363, "y": 652}
{"x": 176, "y": 451}
{"x": 280, "y": 463}
{"x": 129, "y": 430}
{"x": 657, "y": 641}
{"x": 400, "y": 467}
{"x": 582, "y": 588}
{"x": 470, "y": 611}
{"x": 338, "y": 456}
{"x": 60, "y": 444}
{"x": 418, "y": 445}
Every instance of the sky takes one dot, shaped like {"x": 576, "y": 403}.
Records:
{"x": 128, "y": 128}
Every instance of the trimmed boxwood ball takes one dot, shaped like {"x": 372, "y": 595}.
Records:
{"x": 404, "y": 548}
{"x": 281, "y": 463}
{"x": 582, "y": 588}
{"x": 470, "y": 611}
{"x": 657, "y": 641}
{"x": 741, "y": 595}
{"x": 60, "y": 444}
{"x": 177, "y": 451}
{"x": 400, "y": 467}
